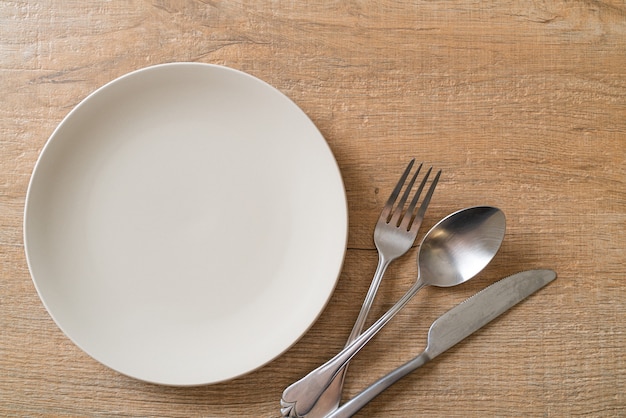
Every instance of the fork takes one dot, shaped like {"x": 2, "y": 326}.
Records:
{"x": 394, "y": 235}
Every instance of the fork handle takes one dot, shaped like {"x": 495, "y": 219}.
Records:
{"x": 299, "y": 398}
{"x": 331, "y": 398}
{"x": 383, "y": 263}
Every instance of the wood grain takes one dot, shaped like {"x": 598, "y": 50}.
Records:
{"x": 522, "y": 104}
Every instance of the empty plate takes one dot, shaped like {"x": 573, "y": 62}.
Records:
{"x": 185, "y": 224}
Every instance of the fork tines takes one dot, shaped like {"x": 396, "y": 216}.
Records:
{"x": 407, "y": 219}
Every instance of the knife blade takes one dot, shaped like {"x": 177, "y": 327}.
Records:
{"x": 455, "y": 325}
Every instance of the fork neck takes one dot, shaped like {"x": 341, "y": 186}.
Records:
{"x": 383, "y": 263}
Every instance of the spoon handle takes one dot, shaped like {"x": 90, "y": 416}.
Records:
{"x": 359, "y": 401}
{"x": 299, "y": 398}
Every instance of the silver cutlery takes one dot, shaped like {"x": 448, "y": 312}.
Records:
{"x": 454, "y": 326}
{"x": 394, "y": 235}
{"x": 452, "y": 252}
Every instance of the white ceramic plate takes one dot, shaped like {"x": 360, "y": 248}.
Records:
{"x": 185, "y": 224}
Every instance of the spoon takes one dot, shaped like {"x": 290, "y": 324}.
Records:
{"x": 456, "y": 249}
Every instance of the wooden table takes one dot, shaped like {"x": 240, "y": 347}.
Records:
{"x": 523, "y": 106}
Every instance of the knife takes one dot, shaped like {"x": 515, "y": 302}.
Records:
{"x": 455, "y": 325}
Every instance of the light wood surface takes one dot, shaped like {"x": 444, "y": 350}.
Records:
{"x": 523, "y": 106}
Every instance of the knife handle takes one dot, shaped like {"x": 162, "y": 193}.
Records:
{"x": 359, "y": 401}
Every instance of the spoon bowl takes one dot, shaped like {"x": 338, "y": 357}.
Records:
{"x": 452, "y": 252}
{"x": 459, "y": 246}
